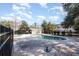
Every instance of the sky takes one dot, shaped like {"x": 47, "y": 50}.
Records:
{"x": 32, "y": 12}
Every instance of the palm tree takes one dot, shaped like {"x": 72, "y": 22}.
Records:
{"x": 47, "y": 27}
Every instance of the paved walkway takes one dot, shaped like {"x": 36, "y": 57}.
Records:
{"x": 31, "y": 46}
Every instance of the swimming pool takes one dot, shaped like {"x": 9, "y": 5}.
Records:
{"x": 51, "y": 37}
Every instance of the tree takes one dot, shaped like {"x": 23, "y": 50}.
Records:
{"x": 7, "y": 23}
{"x": 76, "y": 25}
{"x": 48, "y": 27}
{"x": 35, "y": 25}
{"x": 73, "y": 12}
{"x": 23, "y": 26}
{"x": 44, "y": 26}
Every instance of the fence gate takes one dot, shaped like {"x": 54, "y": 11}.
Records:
{"x": 6, "y": 41}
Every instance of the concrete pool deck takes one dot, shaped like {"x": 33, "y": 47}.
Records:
{"x": 28, "y": 45}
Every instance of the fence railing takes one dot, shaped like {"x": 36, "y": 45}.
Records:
{"x": 6, "y": 41}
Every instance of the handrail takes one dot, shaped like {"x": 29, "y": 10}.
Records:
{"x": 4, "y": 42}
{"x": 3, "y": 33}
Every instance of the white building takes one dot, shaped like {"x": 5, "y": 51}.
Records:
{"x": 61, "y": 29}
{"x": 36, "y": 30}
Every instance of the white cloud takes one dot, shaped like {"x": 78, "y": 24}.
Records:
{"x": 18, "y": 18}
{"x": 26, "y": 5}
{"x": 43, "y": 5}
{"x": 29, "y": 16}
{"x": 24, "y": 14}
{"x": 41, "y": 17}
{"x": 22, "y": 11}
{"x": 57, "y": 10}
{"x": 16, "y": 7}
{"x": 11, "y": 14}
{"x": 30, "y": 12}
{"x": 54, "y": 18}
{"x": 9, "y": 17}
{"x": 6, "y": 18}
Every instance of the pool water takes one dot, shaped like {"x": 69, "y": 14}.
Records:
{"x": 45, "y": 37}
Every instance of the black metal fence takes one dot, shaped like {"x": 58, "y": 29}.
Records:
{"x": 6, "y": 41}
